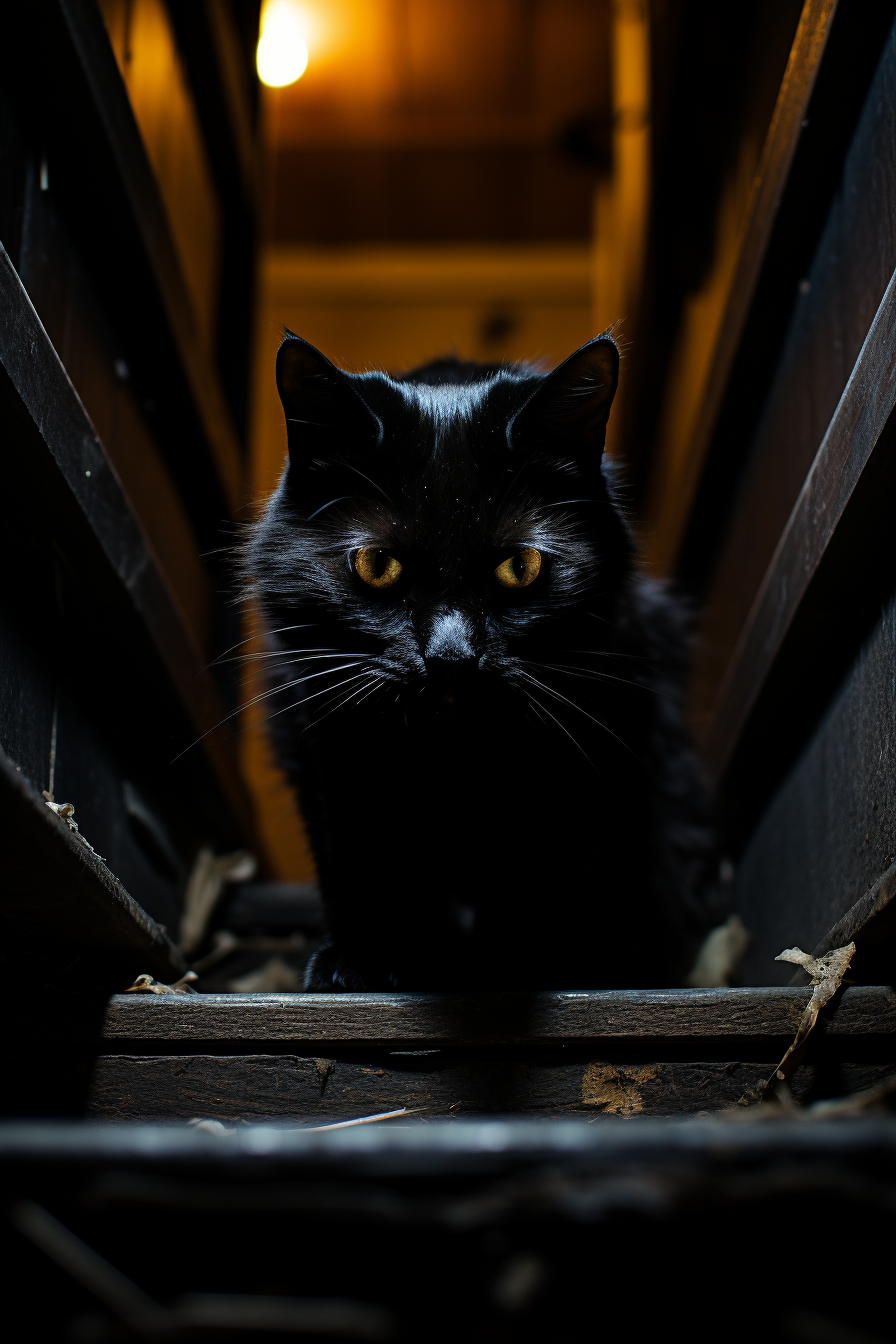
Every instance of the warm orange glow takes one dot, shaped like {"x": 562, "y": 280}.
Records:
{"x": 282, "y": 55}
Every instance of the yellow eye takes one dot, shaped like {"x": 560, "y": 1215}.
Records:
{"x": 520, "y": 570}
{"x": 377, "y": 568}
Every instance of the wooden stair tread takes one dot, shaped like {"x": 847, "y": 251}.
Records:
{"x": 486, "y": 1019}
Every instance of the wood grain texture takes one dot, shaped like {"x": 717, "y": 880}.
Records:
{"x": 828, "y": 833}
{"x": 58, "y": 893}
{"x": 844, "y": 287}
{"x": 62, "y": 431}
{"x": 290, "y": 1087}
{"x": 859, "y": 421}
{"x": 91, "y": 48}
{"x": 684, "y": 443}
{"x": 871, "y": 921}
{"x": 488, "y": 1018}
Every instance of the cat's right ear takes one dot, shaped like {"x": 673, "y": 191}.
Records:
{"x": 325, "y": 416}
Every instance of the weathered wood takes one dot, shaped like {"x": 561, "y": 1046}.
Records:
{"x": 845, "y": 452}
{"x": 487, "y": 1018}
{"x": 868, "y": 920}
{"x": 283, "y": 1087}
{"x": 57, "y": 893}
{"x": 867, "y": 923}
{"x": 91, "y": 48}
{"x": 686, "y": 437}
{"x": 491, "y": 1230}
{"x": 828, "y": 832}
{"x": 62, "y": 435}
{"x": 843, "y": 286}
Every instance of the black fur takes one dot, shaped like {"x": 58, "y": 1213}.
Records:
{"x": 474, "y": 828}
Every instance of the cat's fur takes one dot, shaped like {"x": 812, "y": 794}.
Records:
{"x": 473, "y": 827}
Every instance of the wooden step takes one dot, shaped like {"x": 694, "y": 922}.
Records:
{"x": 315, "y": 1057}
{"x": 513, "y": 1231}
{"x": 489, "y": 1019}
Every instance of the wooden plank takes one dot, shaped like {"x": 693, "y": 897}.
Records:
{"x": 867, "y": 923}
{"x": 290, "y": 1087}
{"x": 62, "y": 431}
{"x": 843, "y": 285}
{"x": 846, "y": 450}
{"x": 91, "y": 48}
{"x": 686, "y": 435}
{"x": 473, "y": 1019}
{"x": 58, "y": 893}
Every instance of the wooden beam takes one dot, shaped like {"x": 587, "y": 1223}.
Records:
{"x": 59, "y": 894}
{"x": 486, "y": 1019}
{"x": 858, "y": 426}
{"x": 92, "y": 50}
{"x": 289, "y": 1087}
{"x": 708, "y": 345}
{"x": 62, "y": 442}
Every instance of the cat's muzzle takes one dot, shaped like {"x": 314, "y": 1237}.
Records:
{"x": 451, "y": 681}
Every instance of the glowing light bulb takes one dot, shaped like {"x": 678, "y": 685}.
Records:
{"x": 282, "y": 55}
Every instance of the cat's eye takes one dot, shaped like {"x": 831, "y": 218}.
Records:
{"x": 377, "y": 568}
{"x": 519, "y": 570}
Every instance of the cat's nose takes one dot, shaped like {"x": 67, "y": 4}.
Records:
{"x": 449, "y": 638}
{"x": 449, "y": 653}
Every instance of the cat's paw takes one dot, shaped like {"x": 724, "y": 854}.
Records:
{"x": 331, "y": 971}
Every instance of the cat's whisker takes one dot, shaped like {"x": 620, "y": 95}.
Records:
{"x": 296, "y": 681}
{"x": 257, "y": 700}
{"x": 327, "y": 690}
{"x": 564, "y": 730}
{"x": 266, "y": 695}
{"x": 329, "y": 652}
{"x": 610, "y": 653}
{"x": 301, "y": 660}
{"x": 260, "y": 634}
{"x": 590, "y": 673}
{"x": 351, "y": 466}
{"x": 572, "y": 704}
{"x": 354, "y": 696}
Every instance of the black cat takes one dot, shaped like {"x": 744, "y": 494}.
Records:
{"x": 477, "y": 694}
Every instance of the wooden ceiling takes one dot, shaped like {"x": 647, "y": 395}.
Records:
{"x": 473, "y": 120}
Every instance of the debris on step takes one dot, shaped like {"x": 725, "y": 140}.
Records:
{"x": 826, "y": 973}
{"x": 719, "y": 956}
{"x": 66, "y": 813}
{"x": 880, "y": 1099}
{"x": 207, "y": 880}
{"x": 145, "y": 984}
{"x": 217, "y": 1127}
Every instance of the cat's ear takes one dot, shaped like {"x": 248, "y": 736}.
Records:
{"x": 575, "y": 399}
{"x": 324, "y": 413}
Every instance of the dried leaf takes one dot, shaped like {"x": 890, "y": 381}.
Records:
{"x": 617, "y": 1090}
{"x": 66, "y": 812}
{"x": 826, "y": 974}
{"x": 145, "y": 984}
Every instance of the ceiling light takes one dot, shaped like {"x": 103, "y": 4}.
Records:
{"x": 282, "y": 55}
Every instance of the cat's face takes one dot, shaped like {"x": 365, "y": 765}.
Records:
{"x": 441, "y": 537}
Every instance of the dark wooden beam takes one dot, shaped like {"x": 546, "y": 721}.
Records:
{"x": 857, "y": 429}
{"x": 71, "y": 108}
{"x": 486, "y": 1018}
{"x": 687, "y": 430}
{"x": 93, "y": 52}
{"x": 57, "y": 456}
{"x": 58, "y": 894}
{"x": 289, "y": 1087}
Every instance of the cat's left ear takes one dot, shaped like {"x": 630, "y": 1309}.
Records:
{"x": 575, "y": 399}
